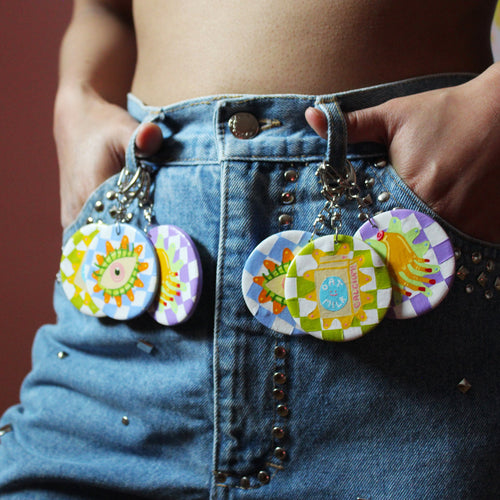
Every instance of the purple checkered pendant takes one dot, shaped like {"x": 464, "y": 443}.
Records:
{"x": 181, "y": 276}
{"x": 419, "y": 256}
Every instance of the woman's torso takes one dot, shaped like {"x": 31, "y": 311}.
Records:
{"x": 193, "y": 48}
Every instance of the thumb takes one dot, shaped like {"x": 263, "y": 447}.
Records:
{"x": 364, "y": 125}
{"x": 149, "y": 139}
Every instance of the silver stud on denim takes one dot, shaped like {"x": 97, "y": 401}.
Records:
{"x": 369, "y": 182}
{"x": 488, "y": 294}
{"x": 458, "y": 253}
{"x": 291, "y": 175}
{"x": 111, "y": 195}
{"x": 280, "y": 453}
{"x": 285, "y": 219}
{"x": 381, "y": 164}
{"x": 476, "y": 257}
{"x": 462, "y": 272}
{"x": 482, "y": 279}
{"x": 220, "y": 477}
{"x": 263, "y": 477}
{"x": 90, "y": 220}
{"x": 145, "y": 346}
{"x": 125, "y": 420}
{"x": 62, "y": 354}
{"x": 279, "y": 352}
{"x": 245, "y": 482}
{"x": 497, "y": 284}
{"x": 469, "y": 288}
{"x": 464, "y": 385}
{"x": 278, "y": 394}
{"x": 278, "y": 432}
{"x": 490, "y": 266}
{"x": 282, "y": 410}
{"x": 99, "y": 206}
{"x": 384, "y": 196}
{"x": 287, "y": 198}
{"x": 279, "y": 378}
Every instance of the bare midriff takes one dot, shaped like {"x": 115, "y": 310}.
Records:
{"x": 194, "y": 48}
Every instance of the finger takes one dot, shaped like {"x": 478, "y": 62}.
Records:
{"x": 317, "y": 121}
{"x": 367, "y": 125}
{"x": 149, "y": 139}
{"x": 364, "y": 125}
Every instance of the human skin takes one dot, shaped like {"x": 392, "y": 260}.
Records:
{"x": 444, "y": 144}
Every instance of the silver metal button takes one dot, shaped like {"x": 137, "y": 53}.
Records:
{"x": 244, "y": 125}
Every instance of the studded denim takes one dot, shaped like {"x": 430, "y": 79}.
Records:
{"x": 221, "y": 407}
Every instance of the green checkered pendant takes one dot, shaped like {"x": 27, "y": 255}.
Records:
{"x": 337, "y": 288}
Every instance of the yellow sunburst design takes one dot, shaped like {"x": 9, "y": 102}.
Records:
{"x": 346, "y": 273}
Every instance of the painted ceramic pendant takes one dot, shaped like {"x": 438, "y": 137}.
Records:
{"x": 121, "y": 271}
{"x": 337, "y": 290}
{"x": 264, "y": 277}
{"x": 181, "y": 276}
{"x": 73, "y": 284}
{"x": 419, "y": 256}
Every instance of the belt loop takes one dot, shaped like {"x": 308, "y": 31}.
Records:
{"x": 131, "y": 153}
{"x": 337, "y": 132}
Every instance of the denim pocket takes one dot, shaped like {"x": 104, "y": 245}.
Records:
{"x": 90, "y": 209}
{"x": 407, "y": 198}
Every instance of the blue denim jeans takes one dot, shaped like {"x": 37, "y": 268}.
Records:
{"x": 222, "y": 407}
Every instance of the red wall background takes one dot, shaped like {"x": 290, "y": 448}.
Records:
{"x": 30, "y": 234}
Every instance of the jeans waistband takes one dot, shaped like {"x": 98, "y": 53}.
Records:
{"x": 199, "y": 129}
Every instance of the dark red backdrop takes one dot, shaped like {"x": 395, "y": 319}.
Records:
{"x": 30, "y": 34}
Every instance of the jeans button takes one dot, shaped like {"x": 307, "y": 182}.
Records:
{"x": 244, "y": 125}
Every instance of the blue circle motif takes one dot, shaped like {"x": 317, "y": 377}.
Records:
{"x": 333, "y": 293}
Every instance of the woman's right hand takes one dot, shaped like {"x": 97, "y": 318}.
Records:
{"x": 91, "y": 138}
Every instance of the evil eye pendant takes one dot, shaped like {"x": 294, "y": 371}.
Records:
{"x": 264, "y": 277}
{"x": 121, "y": 271}
{"x": 418, "y": 255}
{"x": 337, "y": 288}
{"x": 180, "y": 275}
{"x": 73, "y": 283}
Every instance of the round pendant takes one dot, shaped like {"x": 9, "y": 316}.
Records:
{"x": 337, "y": 290}
{"x": 121, "y": 271}
{"x": 419, "y": 256}
{"x": 264, "y": 277}
{"x": 73, "y": 284}
{"x": 181, "y": 276}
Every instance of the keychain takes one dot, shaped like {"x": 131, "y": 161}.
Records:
{"x": 120, "y": 271}
{"x": 337, "y": 287}
{"x": 419, "y": 256}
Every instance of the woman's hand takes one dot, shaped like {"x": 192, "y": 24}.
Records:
{"x": 445, "y": 144}
{"x": 91, "y": 138}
